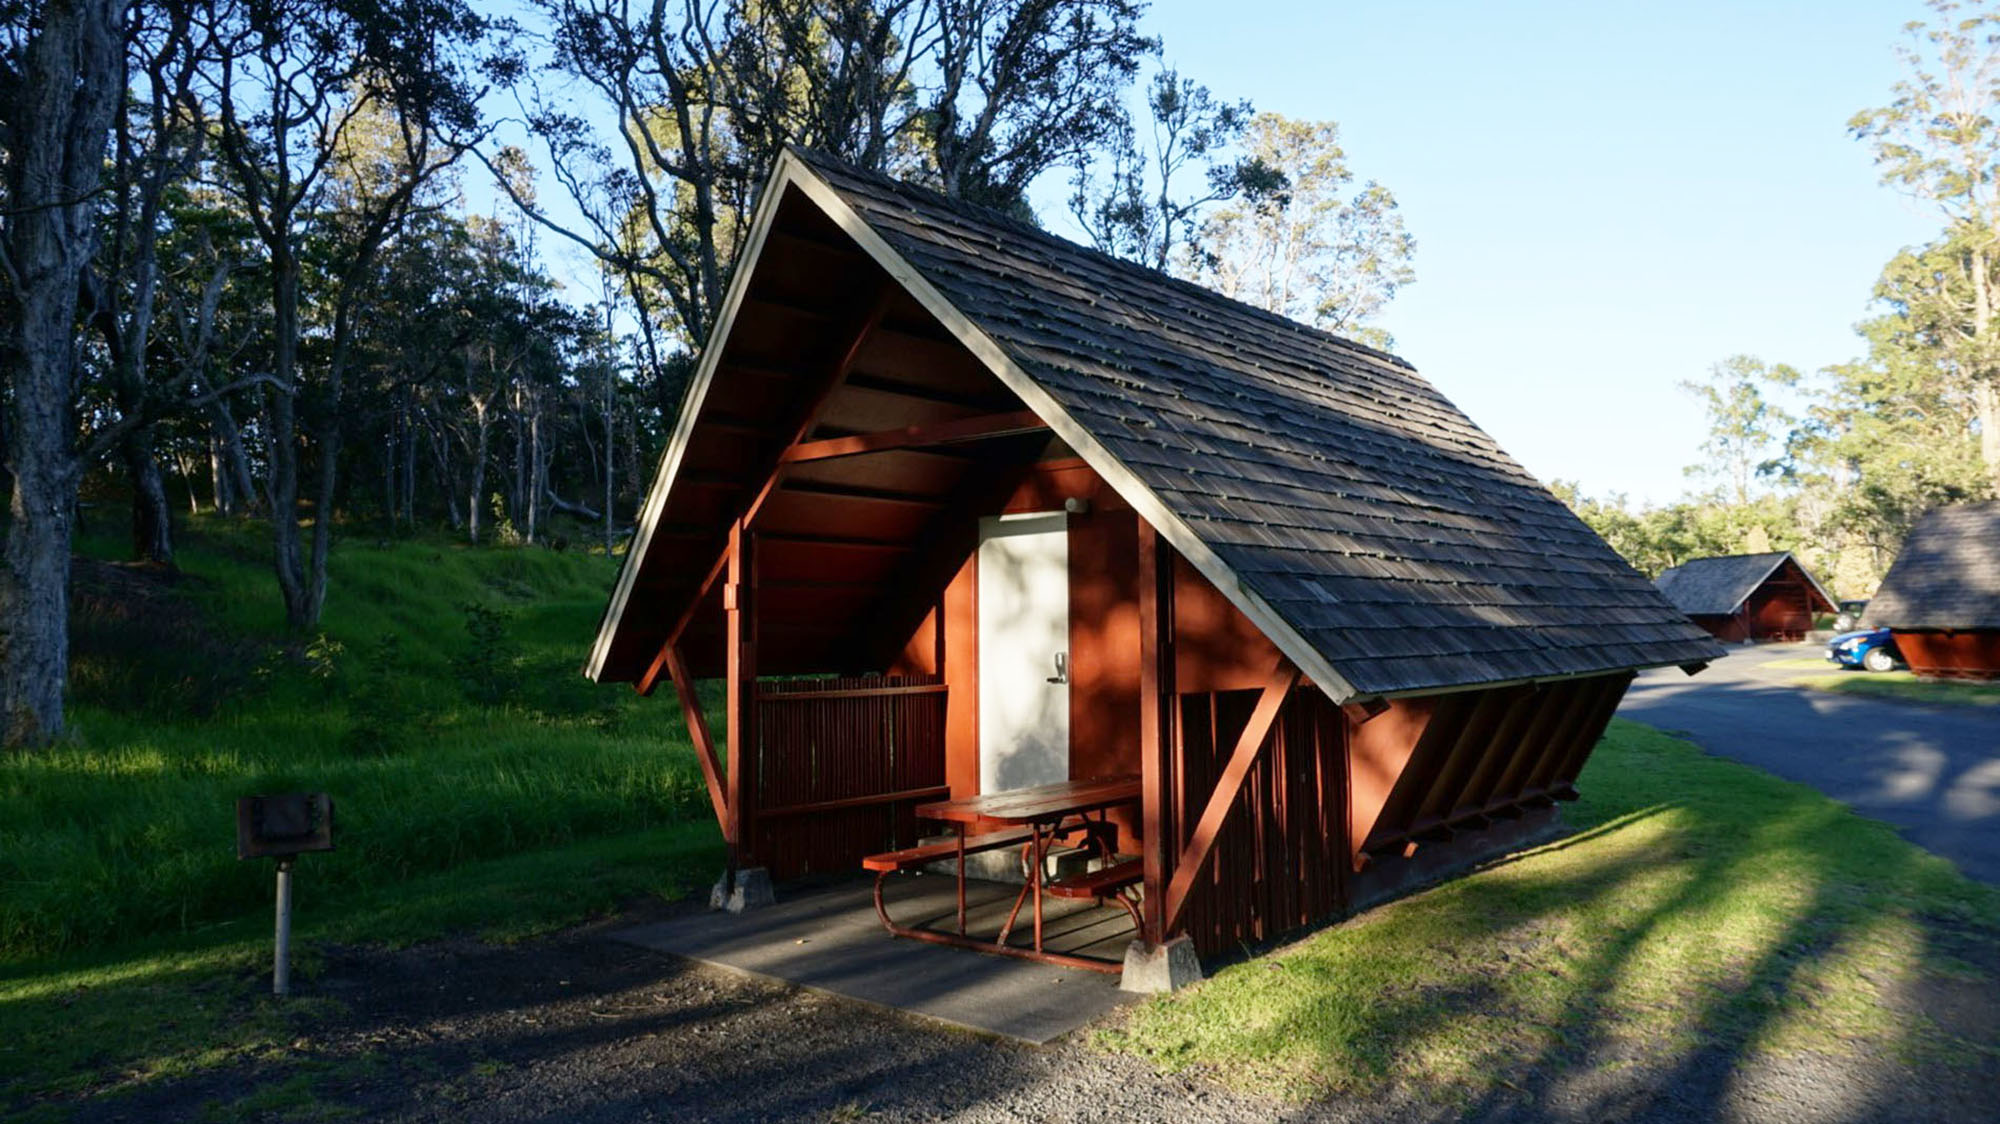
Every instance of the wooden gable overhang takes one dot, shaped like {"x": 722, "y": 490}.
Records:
{"x": 815, "y": 344}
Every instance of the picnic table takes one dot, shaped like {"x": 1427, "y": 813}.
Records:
{"x": 1033, "y": 818}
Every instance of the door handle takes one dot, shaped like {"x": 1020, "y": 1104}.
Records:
{"x": 1062, "y": 668}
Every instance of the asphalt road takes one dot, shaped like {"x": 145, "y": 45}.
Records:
{"x": 1932, "y": 770}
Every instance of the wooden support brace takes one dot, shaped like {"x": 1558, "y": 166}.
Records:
{"x": 1207, "y": 829}
{"x": 835, "y": 379}
{"x": 916, "y": 436}
{"x": 704, "y": 742}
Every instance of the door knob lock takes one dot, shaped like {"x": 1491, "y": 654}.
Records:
{"x": 1062, "y": 668}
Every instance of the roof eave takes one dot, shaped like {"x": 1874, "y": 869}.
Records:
{"x": 704, "y": 375}
{"x": 1150, "y": 507}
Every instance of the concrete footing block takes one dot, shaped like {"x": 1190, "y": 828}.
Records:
{"x": 1158, "y": 968}
{"x": 749, "y": 888}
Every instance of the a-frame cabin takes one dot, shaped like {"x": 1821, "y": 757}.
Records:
{"x": 1941, "y": 596}
{"x": 954, "y": 504}
{"x": 1742, "y": 598}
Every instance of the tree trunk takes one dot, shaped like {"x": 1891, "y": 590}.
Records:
{"x": 218, "y": 481}
{"x": 64, "y": 95}
{"x": 152, "y": 530}
{"x": 1986, "y": 399}
{"x": 481, "y": 419}
{"x": 610, "y": 450}
{"x": 409, "y": 466}
{"x": 447, "y": 472}
{"x": 537, "y": 466}
{"x": 232, "y": 465}
{"x": 282, "y": 473}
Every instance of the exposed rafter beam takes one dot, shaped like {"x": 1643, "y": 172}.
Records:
{"x": 835, "y": 377}
{"x": 916, "y": 436}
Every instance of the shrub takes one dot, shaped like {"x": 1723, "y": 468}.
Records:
{"x": 489, "y": 669}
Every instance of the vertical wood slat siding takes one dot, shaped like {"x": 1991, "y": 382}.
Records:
{"x": 871, "y": 739}
{"x": 1489, "y": 754}
{"x": 1278, "y": 863}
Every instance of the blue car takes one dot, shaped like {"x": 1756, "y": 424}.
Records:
{"x": 1872, "y": 648}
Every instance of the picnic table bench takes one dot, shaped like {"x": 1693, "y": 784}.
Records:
{"x": 1033, "y": 818}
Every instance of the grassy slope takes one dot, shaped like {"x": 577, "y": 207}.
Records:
{"x": 127, "y": 831}
{"x": 133, "y": 945}
{"x": 1703, "y": 903}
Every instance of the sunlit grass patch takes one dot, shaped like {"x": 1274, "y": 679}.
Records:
{"x": 1701, "y": 904}
{"x": 1907, "y": 687}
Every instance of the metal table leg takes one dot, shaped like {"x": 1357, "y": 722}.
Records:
{"x": 961, "y": 878}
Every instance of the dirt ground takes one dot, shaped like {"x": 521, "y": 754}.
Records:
{"x": 580, "y": 1028}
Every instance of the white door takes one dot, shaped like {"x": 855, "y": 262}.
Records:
{"x": 1023, "y": 651}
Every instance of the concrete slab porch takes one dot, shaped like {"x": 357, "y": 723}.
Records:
{"x": 827, "y": 937}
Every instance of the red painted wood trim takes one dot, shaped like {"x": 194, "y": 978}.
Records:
{"x": 1207, "y": 829}
{"x": 742, "y": 677}
{"x": 854, "y": 802}
{"x": 941, "y": 433}
{"x": 766, "y": 694}
{"x": 704, "y": 742}
{"x": 1155, "y": 686}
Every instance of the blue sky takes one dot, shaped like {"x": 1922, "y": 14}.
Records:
{"x": 1607, "y": 197}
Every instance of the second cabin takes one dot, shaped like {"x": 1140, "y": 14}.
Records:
{"x": 1745, "y": 598}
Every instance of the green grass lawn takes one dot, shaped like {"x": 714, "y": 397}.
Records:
{"x": 1888, "y": 684}
{"x": 437, "y": 748}
{"x": 1702, "y": 904}
{"x": 480, "y": 785}
{"x": 1909, "y": 688}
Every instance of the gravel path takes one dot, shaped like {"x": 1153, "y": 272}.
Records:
{"x": 580, "y": 1028}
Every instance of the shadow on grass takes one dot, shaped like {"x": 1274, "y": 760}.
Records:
{"x": 126, "y": 1018}
{"x": 1708, "y": 921}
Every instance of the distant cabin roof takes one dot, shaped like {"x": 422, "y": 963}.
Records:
{"x": 1948, "y": 575}
{"x": 1382, "y": 540}
{"x": 1719, "y": 586}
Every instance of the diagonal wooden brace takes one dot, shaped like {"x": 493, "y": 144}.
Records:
{"x": 1207, "y": 829}
{"x": 704, "y": 743}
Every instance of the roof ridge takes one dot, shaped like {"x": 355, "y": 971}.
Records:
{"x": 814, "y": 157}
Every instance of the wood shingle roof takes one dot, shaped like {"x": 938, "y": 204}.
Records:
{"x": 1948, "y": 575}
{"x": 1364, "y": 522}
{"x": 1337, "y": 484}
{"x": 1719, "y": 586}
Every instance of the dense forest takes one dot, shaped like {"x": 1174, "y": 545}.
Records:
{"x": 245, "y": 273}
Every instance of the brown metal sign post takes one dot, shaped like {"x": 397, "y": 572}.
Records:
{"x": 283, "y": 827}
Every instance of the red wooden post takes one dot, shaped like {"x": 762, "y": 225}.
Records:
{"x": 740, "y": 605}
{"x": 1156, "y": 695}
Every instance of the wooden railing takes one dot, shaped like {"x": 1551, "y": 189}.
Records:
{"x": 841, "y": 764}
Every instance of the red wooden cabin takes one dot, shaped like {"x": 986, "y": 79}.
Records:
{"x": 1942, "y": 595}
{"x": 1748, "y": 597}
{"x": 956, "y": 505}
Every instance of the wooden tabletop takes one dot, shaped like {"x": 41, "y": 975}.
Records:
{"x": 1038, "y": 804}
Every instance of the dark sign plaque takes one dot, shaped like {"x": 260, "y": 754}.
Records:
{"x": 281, "y": 826}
